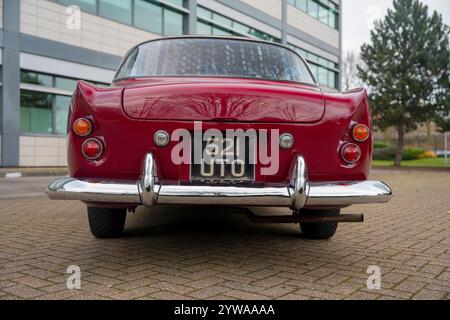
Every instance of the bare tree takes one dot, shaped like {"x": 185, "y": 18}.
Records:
{"x": 350, "y": 64}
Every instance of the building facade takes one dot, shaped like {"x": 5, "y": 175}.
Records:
{"x": 46, "y": 45}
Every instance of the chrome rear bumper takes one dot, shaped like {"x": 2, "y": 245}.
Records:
{"x": 148, "y": 191}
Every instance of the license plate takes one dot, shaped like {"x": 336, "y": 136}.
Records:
{"x": 225, "y": 164}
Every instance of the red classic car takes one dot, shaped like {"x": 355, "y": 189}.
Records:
{"x": 221, "y": 122}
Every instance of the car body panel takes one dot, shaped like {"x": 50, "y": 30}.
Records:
{"x": 127, "y": 139}
{"x": 208, "y": 99}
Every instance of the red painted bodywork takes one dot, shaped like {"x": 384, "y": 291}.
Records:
{"x": 126, "y": 115}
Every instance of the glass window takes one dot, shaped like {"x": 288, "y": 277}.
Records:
{"x": 332, "y": 79}
{"x": 214, "y": 57}
{"x": 323, "y": 76}
{"x": 176, "y": 2}
{"x": 222, "y": 23}
{"x": 221, "y": 32}
{"x": 35, "y": 112}
{"x": 313, "y": 9}
{"x": 314, "y": 70}
{"x": 323, "y": 14}
{"x": 203, "y": 28}
{"x": 204, "y": 13}
{"x": 302, "y": 5}
{"x": 332, "y": 5}
{"x": 312, "y": 57}
{"x": 332, "y": 20}
{"x": 320, "y": 67}
{"x": 324, "y": 11}
{"x": 36, "y": 78}
{"x": 302, "y": 53}
{"x": 242, "y": 28}
{"x": 173, "y": 23}
{"x": 62, "y": 104}
{"x": 323, "y": 62}
{"x": 262, "y": 35}
{"x": 119, "y": 10}
{"x": 148, "y": 16}
{"x": 222, "y": 20}
{"x": 66, "y": 84}
{"x": 85, "y": 5}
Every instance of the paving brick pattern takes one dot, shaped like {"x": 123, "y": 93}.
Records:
{"x": 188, "y": 253}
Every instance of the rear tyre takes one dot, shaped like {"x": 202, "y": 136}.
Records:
{"x": 106, "y": 223}
{"x": 322, "y": 230}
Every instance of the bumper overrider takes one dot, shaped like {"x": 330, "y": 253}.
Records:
{"x": 149, "y": 191}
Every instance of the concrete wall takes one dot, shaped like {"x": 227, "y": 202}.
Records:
{"x": 223, "y": 8}
{"x": 308, "y": 47}
{"x": 270, "y": 7}
{"x": 1, "y": 13}
{"x": 42, "y": 151}
{"x": 64, "y": 68}
{"x": 312, "y": 26}
{"x": 47, "y": 20}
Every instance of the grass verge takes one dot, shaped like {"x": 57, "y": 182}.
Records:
{"x": 419, "y": 163}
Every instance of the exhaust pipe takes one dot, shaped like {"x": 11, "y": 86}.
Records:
{"x": 295, "y": 218}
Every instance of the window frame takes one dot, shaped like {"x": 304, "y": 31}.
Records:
{"x": 319, "y": 63}
{"x": 165, "y": 5}
{"x": 231, "y": 28}
{"x": 332, "y": 8}
{"x": 53, "y": 91}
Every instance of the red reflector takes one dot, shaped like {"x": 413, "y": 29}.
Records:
{"x": 351, "y": 153}
{"x": 92, "y": 149}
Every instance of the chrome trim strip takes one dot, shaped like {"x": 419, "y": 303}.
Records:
{"x": 108, "y": 192}
{"x": 149, "y": 191}
{"x": 224, "y": 195}
{"x": 348, "y": 193}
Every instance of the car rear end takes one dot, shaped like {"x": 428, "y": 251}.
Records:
{"x": 318, "y": 146}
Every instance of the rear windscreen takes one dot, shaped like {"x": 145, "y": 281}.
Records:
{"x": 209, "y": 57}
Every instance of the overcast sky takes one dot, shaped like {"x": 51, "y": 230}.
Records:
{"x": 359, "y": 15}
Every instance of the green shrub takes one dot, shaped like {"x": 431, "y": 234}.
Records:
{"x": 412, "y": 153}
{"x": 384, "y": 154}
{"x": 380, "y": 145}
{"x": 389, "y": 153}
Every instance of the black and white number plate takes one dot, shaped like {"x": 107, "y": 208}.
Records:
{"x": 225, "y": 164}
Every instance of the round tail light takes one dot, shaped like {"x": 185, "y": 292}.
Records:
{"x": 351, "y": 153}
{"x": 92, "y": 149}
{"x": 361, "y": 133}
{"x": 82, "y": 127}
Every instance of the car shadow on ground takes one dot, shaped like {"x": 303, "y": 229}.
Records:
{"x": 185, "y": 237}
{"x": 203, "y": 221}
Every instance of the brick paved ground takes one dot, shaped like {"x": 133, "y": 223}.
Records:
{"x": 189, "y": 253}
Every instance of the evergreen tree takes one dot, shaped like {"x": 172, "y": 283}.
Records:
{"x": 443, "y": 124}
{"x": 407, "y": 68}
